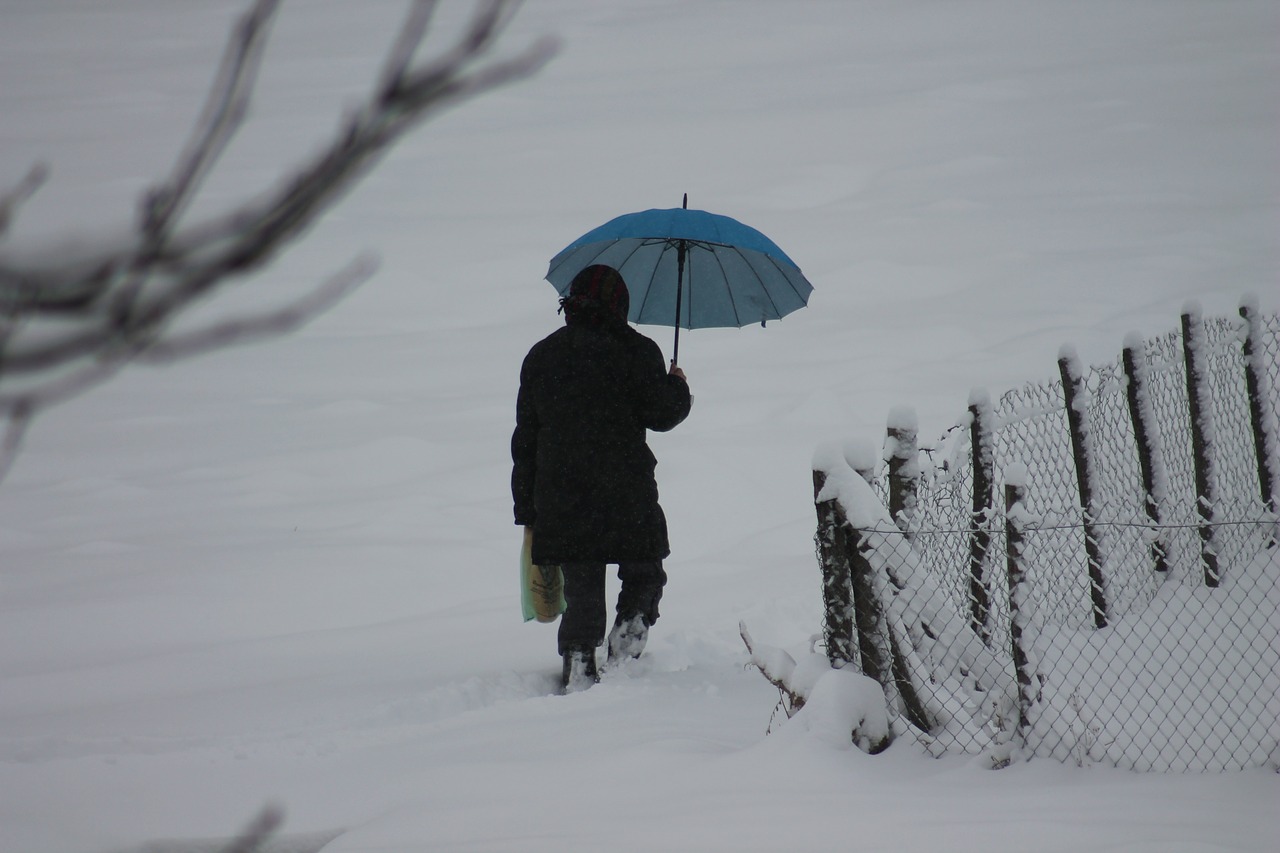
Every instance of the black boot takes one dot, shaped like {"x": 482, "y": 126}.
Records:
{"x": 628, "y": 637}
{"x": 637, "y": 608}
{"x": 580, "y": 670}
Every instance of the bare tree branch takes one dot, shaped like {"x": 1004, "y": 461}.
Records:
{"x": 265, "y": 325}
{"x": 258, "y": 832}
{"x": 67, "y": 326}
{"x": 18, "y": 420}
{"x": 777, "y": 667}
{"x": 223, "y": 114}
{"x": 25, "y": 189}
{"x": 401, "y": 55}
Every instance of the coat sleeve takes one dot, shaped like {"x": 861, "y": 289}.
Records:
{"x": 524, "y": 453}
{"x": 664, "y": 399}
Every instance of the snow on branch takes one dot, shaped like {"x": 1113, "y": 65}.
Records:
{"x": 839, "y": 706}
{"x": 68, "y": 325}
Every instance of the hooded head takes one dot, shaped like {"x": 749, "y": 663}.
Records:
{"x": 597, "y": 295}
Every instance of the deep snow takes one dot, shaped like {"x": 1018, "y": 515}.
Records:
{"x": 287, "y": 572}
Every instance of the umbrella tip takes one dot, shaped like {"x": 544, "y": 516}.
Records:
{"x": 686, "y": 201}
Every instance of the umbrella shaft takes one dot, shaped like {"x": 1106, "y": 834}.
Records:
{"x": 681, "y": 249}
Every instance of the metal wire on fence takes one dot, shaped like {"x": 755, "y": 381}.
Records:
{"x": 1086, "y": 569}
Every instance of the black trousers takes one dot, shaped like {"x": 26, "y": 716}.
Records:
{"x": 582, "y": 625}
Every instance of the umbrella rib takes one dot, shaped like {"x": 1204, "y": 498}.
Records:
{"x": 652, "y": 276}
{"x": 764, "y": 288}
{"x": 803, "y": 299}
{"x": 603, "y": 248}
{"x": 639, "y": 245}
{"x": 728, "y": 287}
{"x": 767, "y": 294}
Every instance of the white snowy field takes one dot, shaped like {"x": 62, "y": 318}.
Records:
{"x": 287, "y": 573}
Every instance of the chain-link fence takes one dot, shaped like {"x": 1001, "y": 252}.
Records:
{"x": 1085, "y": 569}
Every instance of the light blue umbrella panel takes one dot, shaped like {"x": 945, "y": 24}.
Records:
{"x": 707, "y": 270}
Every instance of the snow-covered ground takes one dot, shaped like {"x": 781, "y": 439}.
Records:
{"x": 287, "y": 573}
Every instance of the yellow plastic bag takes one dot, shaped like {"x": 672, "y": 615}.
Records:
{"x": 541, "y": 587}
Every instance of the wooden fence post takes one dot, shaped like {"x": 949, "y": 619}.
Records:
{"x": 1144, "y": 433}
{"x": 1019, "y": 598}
{"x": 904, "y": 472}
{"x": 912, "y": 705}
{"x": 837, "y": 585}
{"x": 982, "y": 446}
{"x": 1076, "y": 403}
{"x": 853, "y": 619}
{"x": 892, "y": 636}
{"x": 868, "y": 613}
{"x": 1193, "y": 350}
{"x": 1254, "y": 373}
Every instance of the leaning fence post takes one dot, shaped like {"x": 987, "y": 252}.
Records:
{"x": 904, "y": 471}
{"x": 982, "y": 446}
{"x": 868, "y": 614}
{"x": 868, "y": 626}
{"x": 912, "y": 704}
{"x": 837, "y": 585}
{"x": 1020, "y": 607}
{"x": 1077, "y": 406}
{"x": 1255, "y": 379}
{"x": 1193, "y": 350}
{"x": 892, "y": 640}
{"x": 1154, "y": 489}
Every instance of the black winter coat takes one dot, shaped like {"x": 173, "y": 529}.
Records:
{"x": 583, "y": 476}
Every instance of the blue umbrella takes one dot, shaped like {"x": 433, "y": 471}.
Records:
{"x": 707, "y": 270}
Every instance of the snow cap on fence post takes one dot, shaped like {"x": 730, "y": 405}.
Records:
{"x": 828, "y": 457}
{"x": 1071, "y": 368}
{"x": 902, "y": 417}
{"x": 980, "y": 397}
{"x": 862, "y": 457}
{"x": 900, "y": 437}
{"x": 861, "y": 506}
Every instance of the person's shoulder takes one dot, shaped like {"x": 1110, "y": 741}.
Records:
{"x": 642, "y": 344}
{"x": 550, "y": 340}
{"x": 637, "y": 338}
{"x": 544, "y": 347}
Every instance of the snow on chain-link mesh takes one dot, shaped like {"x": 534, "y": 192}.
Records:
{"x": 1183, "y": 677}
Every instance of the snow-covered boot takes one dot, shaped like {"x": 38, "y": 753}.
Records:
{"x": 580, "y": 670}
{"x": 627, "y": 638}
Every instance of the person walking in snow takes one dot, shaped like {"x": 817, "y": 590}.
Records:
{"x": 583, "y": 475}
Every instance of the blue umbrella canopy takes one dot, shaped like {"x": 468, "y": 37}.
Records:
{"x": 707, "y": 269}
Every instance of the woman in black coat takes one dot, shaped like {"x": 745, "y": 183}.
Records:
{"x": 583, "y": 475}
